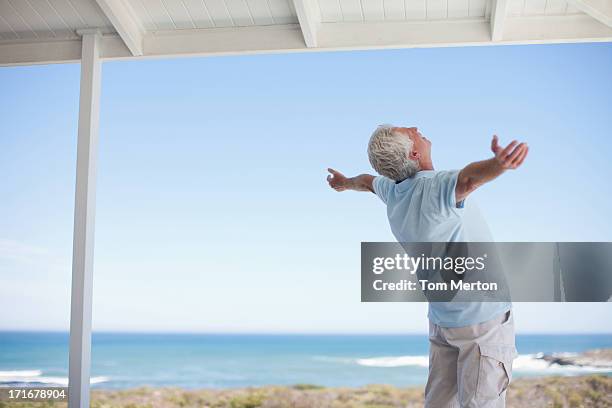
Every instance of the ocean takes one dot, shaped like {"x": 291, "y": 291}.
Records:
{"x": 121, "y": 360}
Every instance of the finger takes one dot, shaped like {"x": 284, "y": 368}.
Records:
{"x": 522, "y": 158}
{"x": 332, "y": 171}
{"x": 515, "y": 153}
{"x": 329, "y": 178}
{"x": 508, "y": 149}
{"x": 513, "y": 163}
{"x": 504, "y": 153}
{"x": 494, "y": 143}
{"x": 337, "y": 174}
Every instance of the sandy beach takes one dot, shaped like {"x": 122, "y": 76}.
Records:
{"x": 594, "y": 391}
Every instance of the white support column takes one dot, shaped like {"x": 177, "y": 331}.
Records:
{"x": 84, "y": 219}
{"x": 498, "y": 16}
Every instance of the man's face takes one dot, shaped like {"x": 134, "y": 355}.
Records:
{"x": 421, "y": 148}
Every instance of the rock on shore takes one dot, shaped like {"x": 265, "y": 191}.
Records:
{"x": 599, "y": 358}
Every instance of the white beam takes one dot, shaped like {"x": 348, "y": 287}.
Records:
{"x": 523, "y": 30}
{"x": 395, "y": 34}
{"x": 331, "y": 37}
{"x": 57, "y": 51}
{"x": 309, "y": 16}
{"x": 601, "y": 10}
{"x": 125, "y": 22}
{"x": 498, "y": 16}
{"x": 224, "y": 41}
{"x": 373, "y": 35}
{"x": 84, "y": 220}
{"x": 555, "y": 29}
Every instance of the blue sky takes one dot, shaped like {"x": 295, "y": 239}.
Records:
{"x": 213, "y": 213}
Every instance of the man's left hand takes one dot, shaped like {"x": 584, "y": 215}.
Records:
{"x": 510, "y": 157}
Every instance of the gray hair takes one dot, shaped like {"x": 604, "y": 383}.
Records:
{"x": 388, "y": 154}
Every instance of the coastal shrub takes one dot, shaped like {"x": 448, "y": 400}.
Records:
{"x": 305, "y": 387}
{"x": 134, "y": 405}
{"x": 380, "y": 389}
{"x": 594, "y": 395}
{"x": 575, "y": 400}
{"x": 600, "y": 383}
{"x": 181, "y": 400}
{"x": 252, "y": 400}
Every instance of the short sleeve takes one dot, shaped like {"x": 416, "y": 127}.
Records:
{"x": 445, "y": 182}
{"x": 382, "y": 187}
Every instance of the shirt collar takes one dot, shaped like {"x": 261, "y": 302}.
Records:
{"x": 424, "y": 173}
{"x": 419, "y": 174}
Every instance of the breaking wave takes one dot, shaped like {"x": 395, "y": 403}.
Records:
{"x": 399, "y": 361}
{"x": 16, "y": 377}
{"x": 527, "y": 363}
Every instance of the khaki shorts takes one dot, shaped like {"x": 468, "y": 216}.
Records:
{"x": 470, "y": 367}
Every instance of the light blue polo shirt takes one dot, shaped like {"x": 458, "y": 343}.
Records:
{"x": 423, "y": 209}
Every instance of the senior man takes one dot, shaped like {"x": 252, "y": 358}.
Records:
{"x": 471, "y": 343}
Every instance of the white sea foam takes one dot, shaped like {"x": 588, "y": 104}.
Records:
{"x": 397, "y": 361}
{"x": 20, "y": 373}
{"x": 527, "y": 363}
{"x": 35, "y": 376}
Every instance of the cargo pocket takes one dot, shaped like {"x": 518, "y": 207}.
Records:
{"x": 495, "y": 370}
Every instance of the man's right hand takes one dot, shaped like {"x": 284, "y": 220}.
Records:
{"x": 337, "y": 180}
{"x": 340, "y": 182}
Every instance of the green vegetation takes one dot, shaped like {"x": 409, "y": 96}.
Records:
{"x": 304, "y": 387}
{"x": 552, "y": 392}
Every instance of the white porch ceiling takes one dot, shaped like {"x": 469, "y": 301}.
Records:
{"x": 189, "y": 14}
{"x": 49, "y": 19}
{"x": 45, "y": 31}
{"x": 46, "y": 19}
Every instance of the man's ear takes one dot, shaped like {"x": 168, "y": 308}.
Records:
{"x": 414, "y": 155}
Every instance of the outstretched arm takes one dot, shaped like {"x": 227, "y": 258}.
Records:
{"x": 339, "y": 182}
{"x": 476, "y": 174}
